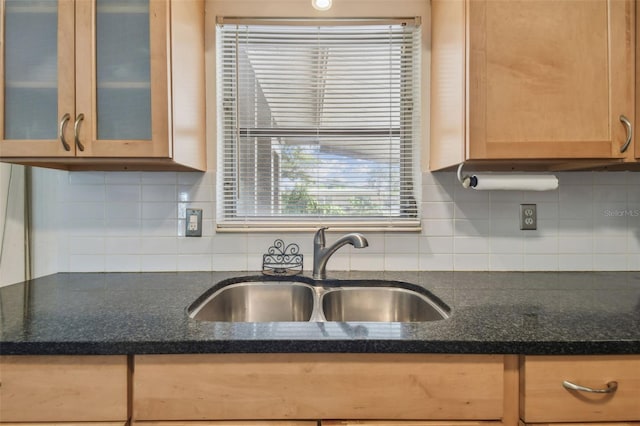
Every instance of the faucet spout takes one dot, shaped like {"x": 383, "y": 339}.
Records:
{"x": 321, "y": 254}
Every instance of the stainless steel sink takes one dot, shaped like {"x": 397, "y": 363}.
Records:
{"x": 381, "y": 304}
{"x": 257, "y": 302}
{"x": 251, "y": 299}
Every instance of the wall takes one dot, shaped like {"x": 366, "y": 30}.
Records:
{"x": 12, "y": 224}
{"x": 96, "y": 221}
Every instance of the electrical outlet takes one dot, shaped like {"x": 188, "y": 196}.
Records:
{"x": 528, "y": 217}
{"x": 194, "y": 223}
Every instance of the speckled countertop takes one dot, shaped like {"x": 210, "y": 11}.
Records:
{"x": 491, "y": 312}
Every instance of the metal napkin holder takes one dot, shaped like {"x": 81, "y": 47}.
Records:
{"x": 282, "y": 260}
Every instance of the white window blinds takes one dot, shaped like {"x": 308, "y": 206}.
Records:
{"x": 318, "y": 123}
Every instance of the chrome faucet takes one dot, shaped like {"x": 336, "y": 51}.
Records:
{"x": 321, "y": 254}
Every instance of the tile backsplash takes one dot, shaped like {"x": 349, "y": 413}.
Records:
{"x": 135, "y": 221}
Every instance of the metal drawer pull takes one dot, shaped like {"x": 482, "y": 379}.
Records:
{"x": 63, "y": 125}
{"x": 76, "y": 128}
{"x": 611, "y": 387}
{"x": 627, "y": 124}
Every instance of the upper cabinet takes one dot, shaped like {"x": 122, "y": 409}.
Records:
{"x": 539, "y": 82}
{"x": 103, "y": 84}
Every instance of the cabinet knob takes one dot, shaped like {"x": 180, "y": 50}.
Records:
{"x": 627, "y": 124}
{"x": 611, "y": 387}
{"x": 63, "y": 124}
{"x": 76, "y": 131}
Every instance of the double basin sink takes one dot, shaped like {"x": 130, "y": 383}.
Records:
{"x": 265, "y": 299}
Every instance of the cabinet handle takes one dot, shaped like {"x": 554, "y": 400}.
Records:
{"x": 627, "y": 124}
{"x": 611, "y": 387}
{"x": 76, "y": 129}
{"x": 63, "y": 125}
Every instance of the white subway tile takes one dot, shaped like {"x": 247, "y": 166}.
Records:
{"x": 159, "y": 178}
{"x": 195, "y": 245}
{"x": 436, "y": 245}
{"x": 401, "y": 243}
{"x": 128, "y": 178}
{"x": 230, "y": 243}
{"x": 123, "y": 246}
{"x": 123, "y": 227}
{"x": 437, "y": 210}
{"x": 541, "y": 244}
{"x": 229, "y": 262}
{"x": 95, "y": 245}
{"x": 472, "y": 210}
{"x": 402, "y": 261}
{"x": 541, "y": 262}
{"x": 122, "y": 263}
{"x": 506, "y": 262}
{"x": 463, "y": 245}
{"x": 86, "y": 263}
{"x": 159, "y": 245}
{"x": 437, "y": 228}
{"x": 471, "y": 262}
{"x": 159, "y": 263}
{"x": 194, "y": 262}
{"x": 159, "y": 211}
{"x": 130, "y": 211}
{"x": 575, "y": 262}
{"x": 436, "y": 193}
{"x": 86, "y": 178}
{"x": 123, "y": 193}
{"x": 507, "y": 244}
{"x": 575, "y": 245}
{"x": 159, "y": 193}
{"x": 609, "y": 262}
{"x": 472, "y": 228}
{"x": 436, "y": 262}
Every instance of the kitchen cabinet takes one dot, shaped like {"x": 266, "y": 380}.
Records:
{"x": 325, "y": 386}
{"x": 542, "y": 83}
{"x": 63, "y": 389}
{"x": 545, "y": 398}
{"x": 103, "y": 84}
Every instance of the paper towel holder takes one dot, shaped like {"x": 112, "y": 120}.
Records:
{"x": 466, "y": 181}
{"x": 513, "y": 182}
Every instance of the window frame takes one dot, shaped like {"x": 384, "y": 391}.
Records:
{"x": 410, "y": 222}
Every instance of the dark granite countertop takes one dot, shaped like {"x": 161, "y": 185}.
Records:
{"x": 491, "y": 312}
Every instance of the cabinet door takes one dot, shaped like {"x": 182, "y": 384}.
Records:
{"x": 58, "y": 388}
{"x": 122, "y": 78}
{"x": 36, "y": 78}
{"x": 549, "y": 78}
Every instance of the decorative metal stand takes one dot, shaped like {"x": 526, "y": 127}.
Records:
{"x": 282, "y": 260}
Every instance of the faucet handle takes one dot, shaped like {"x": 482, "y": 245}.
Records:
{"x": 318, "y": 238}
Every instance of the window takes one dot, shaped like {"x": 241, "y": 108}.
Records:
{"x": 318, "y": 123}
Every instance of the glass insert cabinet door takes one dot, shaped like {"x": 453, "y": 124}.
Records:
{"x": 37, "y": 69}
{"x": 122, "y": 80}
{"x": 88, "y": 77}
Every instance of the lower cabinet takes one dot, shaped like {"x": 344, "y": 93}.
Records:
{"x": 325, "y": 386}
{"x": 320, "y": 390}
{"x": 64, "y": 389}
{"x": 580, "y": 390}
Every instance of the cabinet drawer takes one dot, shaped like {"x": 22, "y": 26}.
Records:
{"x": 318, "y": 386}
{"x": 545, "y": 399}
{"x": 63, "y": 388}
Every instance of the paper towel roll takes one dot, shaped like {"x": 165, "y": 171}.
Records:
{"x": 514, "y": 182}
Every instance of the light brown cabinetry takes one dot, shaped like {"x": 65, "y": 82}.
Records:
{"x": 325, "y": 386}
{"x": 544, "y": 399}
{"x": 531, "y": 81}
{"x": 63, "y": 389}
{"x": 121, "y": 87}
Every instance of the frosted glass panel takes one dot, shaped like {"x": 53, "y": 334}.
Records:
{"x": 31, "y": 69}
{"x": 123, "y": 70}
